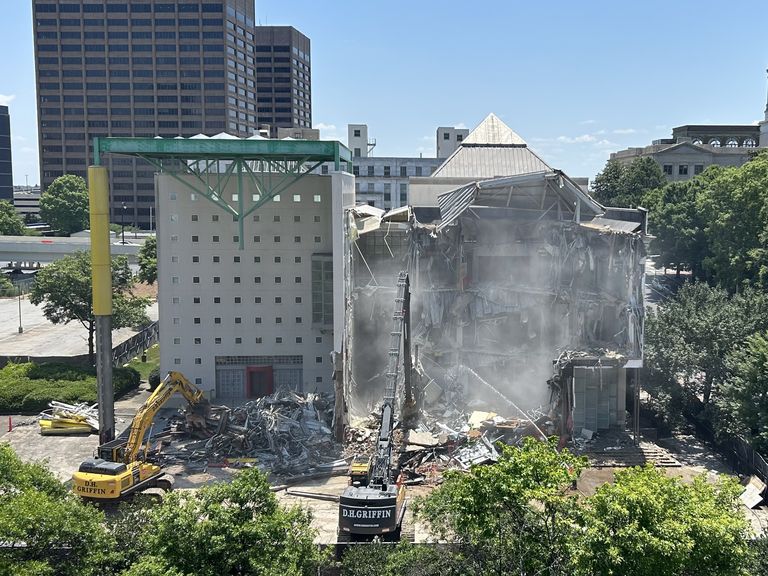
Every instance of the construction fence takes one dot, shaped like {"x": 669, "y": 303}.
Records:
{"x": 135, "y": 345}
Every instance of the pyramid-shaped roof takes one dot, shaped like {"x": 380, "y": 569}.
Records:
{"x": 491, "y": 150}
{"x": 492, "y": 131}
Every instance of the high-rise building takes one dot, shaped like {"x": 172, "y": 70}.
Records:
{"x": 283, "y": 78}
{"x": 6, "y": 168}
{"x": 143, "y": 68}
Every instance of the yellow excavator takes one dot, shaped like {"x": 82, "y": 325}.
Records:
{"x": 119, "y": 472}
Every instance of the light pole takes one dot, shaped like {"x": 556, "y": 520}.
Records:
{"x": 122, "y": 224}
{"x": 21, "y": 328}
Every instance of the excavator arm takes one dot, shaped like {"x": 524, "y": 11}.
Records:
{"x": 174, "y": 382}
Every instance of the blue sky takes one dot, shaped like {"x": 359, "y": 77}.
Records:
{"x": 576, "y": 79}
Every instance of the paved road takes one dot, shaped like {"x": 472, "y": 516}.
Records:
{"x": 40, "y": 337}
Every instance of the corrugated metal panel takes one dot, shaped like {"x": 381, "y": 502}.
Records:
{"x": 493, "y": 131}
{"x": 483, "y": 162}
{"x": 453, "y": 203}
{"x": 595, "y": 398}
{"x": 614, "y": 225}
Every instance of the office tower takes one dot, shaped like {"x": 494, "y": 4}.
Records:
{"x": 139, "y": 68}
{"x": 6, "y": 168}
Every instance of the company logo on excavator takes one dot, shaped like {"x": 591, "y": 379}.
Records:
{"x": 90, "y": 490}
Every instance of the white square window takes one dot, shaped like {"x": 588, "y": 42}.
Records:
{"x": 174, "y": 218}
{"x": 174, "y": 237}
{"x": 174, "y": 279}
{"x": 255, "y": 198}
{"x": 276, "y": 198}
{"x": 316, "y": 198}
{"x": 176, "y": 321}
{"x": 235, "y": 197}
{"x": 192, "y": 196}
{"x": 297, "y": 197}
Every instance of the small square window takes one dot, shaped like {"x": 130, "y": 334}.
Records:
{"x": 278, "y": 340}
{"x": 319, "y": 379}
{"x": 194, "y": 239}
{"x": 173, "y": 196}
{"x": 317, "y": 218}
{"x": 297, "y": 259}
{"x": 297, "y": 239}
{"x": 198, "y": 340}
{"x": 198, "y": 381}
{"x": 278, "y": 279}
{"x": 177, "y": 340}
{"x": 196, "y": 300}
{"x": 276, "y": 198}
{"x": 196, "y": 320}
{"x": 298, "y": 340}
{"x": 175, "y": 300}
{"x": 198, "y": 360}
{"x": 256, "y": 259}
{"x": 278, "y": 300}
{"x": 316, "y": 198}
{"x": 217, "y": 299}
{"x": 174, "y": 218}
{"x": 217, "y": 340}
{"x": 238, "y": 320}
{"x": 277, "y": 239}
{"x": 217, "y": 279}
{"x": 298, "y": 319}
{"x": 215, "y": 218}
{"x": 177, "y": 361}
{"x": 318, "y": 359}
{"x": 257, "y": 238}
{"x": 297, "y": 279}
{"x": 277, "y": 260}
{"x": 682, "y": 169}
{"x": 237, "y": 279}
{"x": 278, "y": 320}
{"x": 238, "y": 300}
{"x": 698, "y": 168}
{"x": 258, "y": 339}
{"x": 238, "y": 340}
{"x": 174, "y": 258}
{"x": 276, "y": 218}
{"x": 298, "y": 300}
{"x": 256, "y": 217}
{"x": 235, "y": 238}
{"x": 215, "y": 239}
{"x": 217, "y": 320}
{"x": 194, "y": 217}
{"x": 318, "y": 339}
{"x": 668, "y": 169}
{"x": 297, "y": 218}
{"x": 216, "y": 259}
{"x": 258, "y": 319}
{"x": 195, "y": 279}
{"x": 236, "y": 259}
{"x": 257, "y": 279}
{"x": 317, "y": 239}
{"x": 195, "y": 259}
{"x": 297, "y": 197}
{"x": 235, "y": 198}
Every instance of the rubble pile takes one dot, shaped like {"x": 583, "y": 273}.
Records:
{"x": 285, "y": 433}
{"x": 63, "y": 419}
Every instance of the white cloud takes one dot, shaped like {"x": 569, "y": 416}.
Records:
{"x": 460, "y": 125}
{"x": 576, "y": 140}
{"x": 327, "y": 131}
{"x": 624, "y": 131}
{"x": 588, "y": 122}
{"x": 6, "y": 99}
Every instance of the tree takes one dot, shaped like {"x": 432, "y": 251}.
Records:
{"x": 513, "y": 516}
{"x": 11, "y": 223}
{"x": 60, "y": 534}
{"x": 744, "y": 396}
{"x": 148, "y": 261}
{"x": 648, "y": 524}
{"x": 405, "y": 559}
{"x": 625, "y": 186}
{"x": 64, "y": 204}
{"x": 65, "y": 290}
{"x": 235, "y": 528}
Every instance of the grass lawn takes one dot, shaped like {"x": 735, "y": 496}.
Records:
{"x": 144, "y": 368}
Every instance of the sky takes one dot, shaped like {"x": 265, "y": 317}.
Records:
{"x": 576, "y": 79}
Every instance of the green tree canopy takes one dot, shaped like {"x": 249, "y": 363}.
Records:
{"x": 148, "y": 261}
{"x": 625, "y": 186}
{"x": 648, "y": 524}
{"x": 687, "y": 340}
{"x": 64, "y": 204}
{"x": 235, "y": 528}
{"x": 11, "y": 223}
{"x": 65, "y": 288}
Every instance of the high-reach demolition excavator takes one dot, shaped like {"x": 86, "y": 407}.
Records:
{"x": 119, "y": 471}
{"x": 374, "y": 503}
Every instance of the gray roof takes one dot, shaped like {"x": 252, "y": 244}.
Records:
{"x": 492, "y": 150}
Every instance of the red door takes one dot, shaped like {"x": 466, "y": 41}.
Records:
{"x": 259, "y": 381}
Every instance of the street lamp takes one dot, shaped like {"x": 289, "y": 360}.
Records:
{"x": 21, "y": 328}
{"x": 122, "y": 223}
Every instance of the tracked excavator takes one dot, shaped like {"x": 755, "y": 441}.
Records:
{"x": 374, "y": 503}
{"x": 119, "y": 471}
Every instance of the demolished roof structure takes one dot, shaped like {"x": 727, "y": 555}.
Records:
{"x": 527, "y": 293}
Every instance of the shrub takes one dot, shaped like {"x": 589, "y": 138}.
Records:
{"x": 154, "y": 378}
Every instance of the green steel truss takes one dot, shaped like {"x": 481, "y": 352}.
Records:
{"x": 267, "y": 166}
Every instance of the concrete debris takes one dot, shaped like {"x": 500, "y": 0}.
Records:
{"x": 285, "y": 433}
{"x": 752, "y": 496}
{"x": 63, "y": 419}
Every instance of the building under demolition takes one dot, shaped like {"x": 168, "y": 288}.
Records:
{"x": 527, "y": 293}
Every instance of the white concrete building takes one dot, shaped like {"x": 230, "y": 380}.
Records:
{"x": 448, "y": 139}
